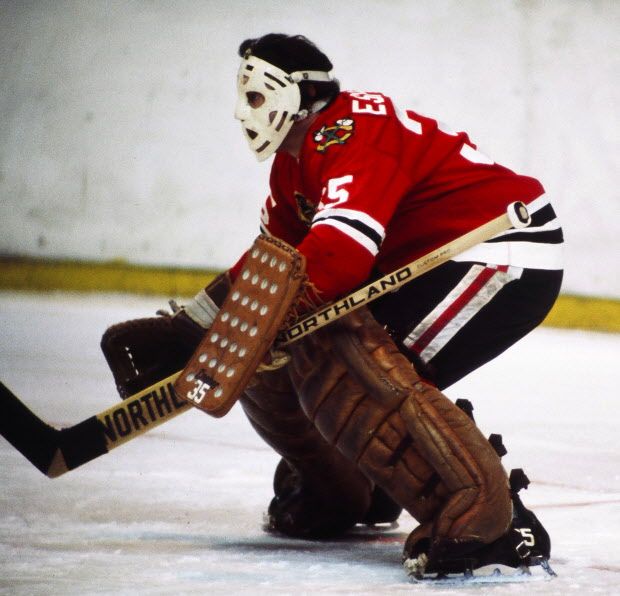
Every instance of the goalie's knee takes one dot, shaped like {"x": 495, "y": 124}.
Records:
{"x": 318, "y": 491}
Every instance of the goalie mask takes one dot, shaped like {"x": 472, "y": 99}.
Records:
{"x": 269, "y": 101}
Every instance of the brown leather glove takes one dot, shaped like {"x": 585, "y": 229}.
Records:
{"x": 141, "y": 352}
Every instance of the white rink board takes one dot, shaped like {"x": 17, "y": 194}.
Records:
{"x": 117, "y": 137}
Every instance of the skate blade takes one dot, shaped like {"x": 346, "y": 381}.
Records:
{"x": 490, "y": 574}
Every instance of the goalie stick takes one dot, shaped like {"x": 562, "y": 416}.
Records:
{"x": 56, "y": 451}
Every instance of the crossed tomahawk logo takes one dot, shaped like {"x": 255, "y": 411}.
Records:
{"x": 333, "y": 135}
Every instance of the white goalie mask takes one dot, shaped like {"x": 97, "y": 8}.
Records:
{"x": 266, "y": 125}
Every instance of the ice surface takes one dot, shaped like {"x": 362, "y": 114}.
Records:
{"x": 179, "y": 510}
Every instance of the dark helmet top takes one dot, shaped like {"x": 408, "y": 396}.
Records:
{"x": 294, "y": 53}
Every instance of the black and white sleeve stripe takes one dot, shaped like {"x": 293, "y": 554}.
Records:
{"x": 545, "y": 227}
{"x": 357, "y": 225}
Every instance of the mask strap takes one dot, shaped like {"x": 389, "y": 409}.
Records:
{"x": 317, "y": 76}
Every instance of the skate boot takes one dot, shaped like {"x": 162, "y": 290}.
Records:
{"x": 383, "y": 509}
{"x": 300, "y": 510}
{"x": 525, "y": 544}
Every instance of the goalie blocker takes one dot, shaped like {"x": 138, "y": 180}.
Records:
{"x": 245, "y": 328}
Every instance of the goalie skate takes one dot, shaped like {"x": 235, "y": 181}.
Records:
{"x": 524, "y": 548}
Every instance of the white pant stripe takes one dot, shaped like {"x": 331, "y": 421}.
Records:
{"x": 448, "y": 323}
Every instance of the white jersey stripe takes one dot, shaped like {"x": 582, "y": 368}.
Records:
{"x": 521, "y": 253}
{"x": 538, "y": 204}
{"x": 534, "y": 207}
{"x": 554, "y": 224}
{"x": 351, "y": 214}
{"x": 352, "y": 233}
{"x": 531, "y": 255}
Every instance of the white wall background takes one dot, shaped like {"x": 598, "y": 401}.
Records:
{"x": 117, "y": 138}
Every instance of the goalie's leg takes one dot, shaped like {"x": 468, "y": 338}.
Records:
{"x": 365, "y": 398}
{"x": 459, "y": 316}
{"x": 318, "y": 492}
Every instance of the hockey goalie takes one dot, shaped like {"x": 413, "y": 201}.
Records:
{"x": 355, "y": 409}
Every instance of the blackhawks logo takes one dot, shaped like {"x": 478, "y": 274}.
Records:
{"x": 333, "y": 135}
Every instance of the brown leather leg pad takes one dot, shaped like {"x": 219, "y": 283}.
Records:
{"x": 366, "y": 398}
{"x": 273, "y": 408}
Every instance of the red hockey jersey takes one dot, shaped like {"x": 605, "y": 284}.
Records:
{"x": 377, "y": 187}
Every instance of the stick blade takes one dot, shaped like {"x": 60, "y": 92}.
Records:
{"x": 37, "y": 441}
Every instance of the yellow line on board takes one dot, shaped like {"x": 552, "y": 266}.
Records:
{"x": 573, "y": 312}
{"x": 585, "y": 312}
{"x": 111, "y": 276}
